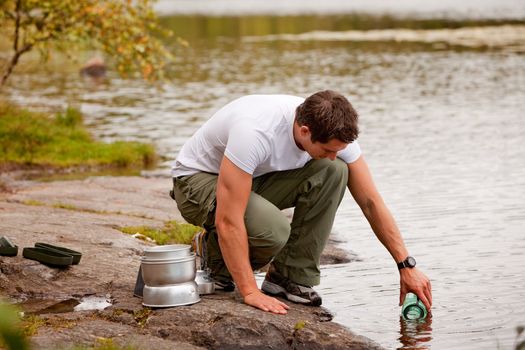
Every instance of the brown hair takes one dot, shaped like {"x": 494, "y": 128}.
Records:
{"x": 328, "y": 115}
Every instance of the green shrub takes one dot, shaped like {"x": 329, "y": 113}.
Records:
{"x": 36, "y": 139}
{"x": 172, "y": 232}
{"x": 11, "y": 334}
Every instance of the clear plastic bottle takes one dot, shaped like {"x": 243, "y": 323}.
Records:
{"x": 413, "y": 308}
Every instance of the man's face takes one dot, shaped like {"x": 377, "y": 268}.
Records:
{"x": 318, "y": 150}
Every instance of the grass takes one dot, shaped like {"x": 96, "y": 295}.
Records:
{"x": 31, "y": 324}
{"x": 29, "y": 138}
{"x": 33, "y": 202}
{"x": 11, "y": 334}
{"x": 66, "y": 206}
{"x": 141, "y": 316}
{"x": 104, "y": 344}
{"x": 172, "y": 232}
{"x": 15, "y": 330}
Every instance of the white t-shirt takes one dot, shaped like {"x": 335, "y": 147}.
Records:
{"x": 255, "y": 132}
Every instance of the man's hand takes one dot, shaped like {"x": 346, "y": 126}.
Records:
{"x": 267, "y": 303}
{"x": 363, "y": 189}
{"x": 415, "y": 281}
{"x": 233, "y": 192}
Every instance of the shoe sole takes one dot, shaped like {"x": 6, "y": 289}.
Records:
{"x": 222, "y": 288}
{"x": 275, "y": 289}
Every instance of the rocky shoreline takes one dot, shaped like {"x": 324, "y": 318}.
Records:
{"x": 84, "y": 215}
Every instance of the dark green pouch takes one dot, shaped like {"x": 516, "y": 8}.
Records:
{"x": 7, "y": 248}
{"x": 48, "y": 257}
{"x": 76, "y": 255}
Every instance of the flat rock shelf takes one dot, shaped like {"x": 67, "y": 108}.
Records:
{"x": 87, "y": 220}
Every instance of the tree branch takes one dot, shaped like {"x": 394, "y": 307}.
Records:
{"x": 17, "y": 25}
{"x": 14, "y": 61}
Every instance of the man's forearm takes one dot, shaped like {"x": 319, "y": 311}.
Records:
{"x": 233, "y": 242}
{"x": 364, "y": 191}
{"x": 385, "y": 228}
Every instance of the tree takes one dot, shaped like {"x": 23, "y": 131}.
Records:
{"x": 125, "y": 30}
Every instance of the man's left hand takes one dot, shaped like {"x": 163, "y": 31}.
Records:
{"x": 415, "y": 281}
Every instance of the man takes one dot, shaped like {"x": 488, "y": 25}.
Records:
{"x": 263, "y": 153}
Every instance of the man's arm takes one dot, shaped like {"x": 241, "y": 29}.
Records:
{"x": 363, "y": 189}
{"x": 233, "y": 191}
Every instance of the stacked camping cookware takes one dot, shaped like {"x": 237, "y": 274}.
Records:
{"x": 170, "y": 278}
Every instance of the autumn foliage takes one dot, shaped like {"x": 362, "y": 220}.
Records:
{"x": 126, "y": 31}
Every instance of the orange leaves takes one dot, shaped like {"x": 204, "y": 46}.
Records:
{"x": 146, "y": 71}
{"x": 126, "y": 31}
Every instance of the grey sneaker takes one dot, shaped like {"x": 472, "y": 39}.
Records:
{"x": 276, "y": 284}
{"x": 224, "y": 285}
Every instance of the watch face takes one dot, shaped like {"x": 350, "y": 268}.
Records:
{"x": 411, "y": 262}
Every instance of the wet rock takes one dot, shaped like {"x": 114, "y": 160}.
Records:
{"x": 9, "y": 269}
{"x": 323, "y": 315}
{"x": 335, "y": 255}
{"x": 244, "y": 333}
{"x": 163, "y": 333}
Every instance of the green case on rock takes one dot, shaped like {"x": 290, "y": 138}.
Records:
{"x": 48, "y": 257}
{"x": 76, "y": 255}
{"x": 7, "y": 248}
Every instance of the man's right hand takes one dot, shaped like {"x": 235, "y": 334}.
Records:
{"x": 233, "y": 191}
{"x": 267, "y": 303}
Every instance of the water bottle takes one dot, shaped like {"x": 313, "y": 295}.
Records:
{"x": 413, "y": 308}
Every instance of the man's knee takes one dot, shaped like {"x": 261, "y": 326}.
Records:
{"x": 272, "y": 236}
{"x": 266, "y": 242}
{"x": 336, "y": 169}
{"x": 268, "y": 228}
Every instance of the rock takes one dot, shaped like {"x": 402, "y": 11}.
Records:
{"x": 109, "y": 267}
{"x": 94, "y": 68}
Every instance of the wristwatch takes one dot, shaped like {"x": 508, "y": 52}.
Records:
{"x": 408, "y": 262}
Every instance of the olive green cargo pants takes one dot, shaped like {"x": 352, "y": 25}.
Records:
{"x": 315, "y": 191}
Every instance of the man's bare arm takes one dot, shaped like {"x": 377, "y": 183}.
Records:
{"x": 363, "y": 189}
{"x": 233, "y": 191}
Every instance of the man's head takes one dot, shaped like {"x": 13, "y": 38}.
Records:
{"x": 328, "y": 115}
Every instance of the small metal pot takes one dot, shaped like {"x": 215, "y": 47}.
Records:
{"x": 174, "y": 295}
{"x": 168, "y": 271}
{"x": 204, "y": 282}
{"x": 172, "y": 251}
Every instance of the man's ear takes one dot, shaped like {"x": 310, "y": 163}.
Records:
{"x": 304, "y": 131}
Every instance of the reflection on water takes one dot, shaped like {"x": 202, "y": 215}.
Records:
{"x": 52, "y": 306}
{"x": 415, "y": 334}
{"x": 442, "y": 129}
{"x": 204, "y": 27}
{"x": 506, "y": 37}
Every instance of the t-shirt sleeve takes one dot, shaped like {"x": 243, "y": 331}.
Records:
{"x": 351, "y": 153}
{"x": 247, "y": 147}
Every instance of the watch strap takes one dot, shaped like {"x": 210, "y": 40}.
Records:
{"x": 408, "y": 262}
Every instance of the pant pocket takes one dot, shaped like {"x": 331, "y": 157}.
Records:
{"x": 195, "y": 197}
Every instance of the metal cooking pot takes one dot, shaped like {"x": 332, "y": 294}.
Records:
{"x": 168, "y": 271}
{"x": 171, "y": 251}
{"x": 204, "y": 282}
{"x": 174, "y": 295}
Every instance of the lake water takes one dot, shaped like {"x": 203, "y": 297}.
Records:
{"x": 442, "y": 119}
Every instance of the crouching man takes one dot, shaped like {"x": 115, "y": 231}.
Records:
{"x": 260, "y": 154}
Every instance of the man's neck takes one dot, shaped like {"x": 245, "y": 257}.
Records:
{"x": 296, "y": 135}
